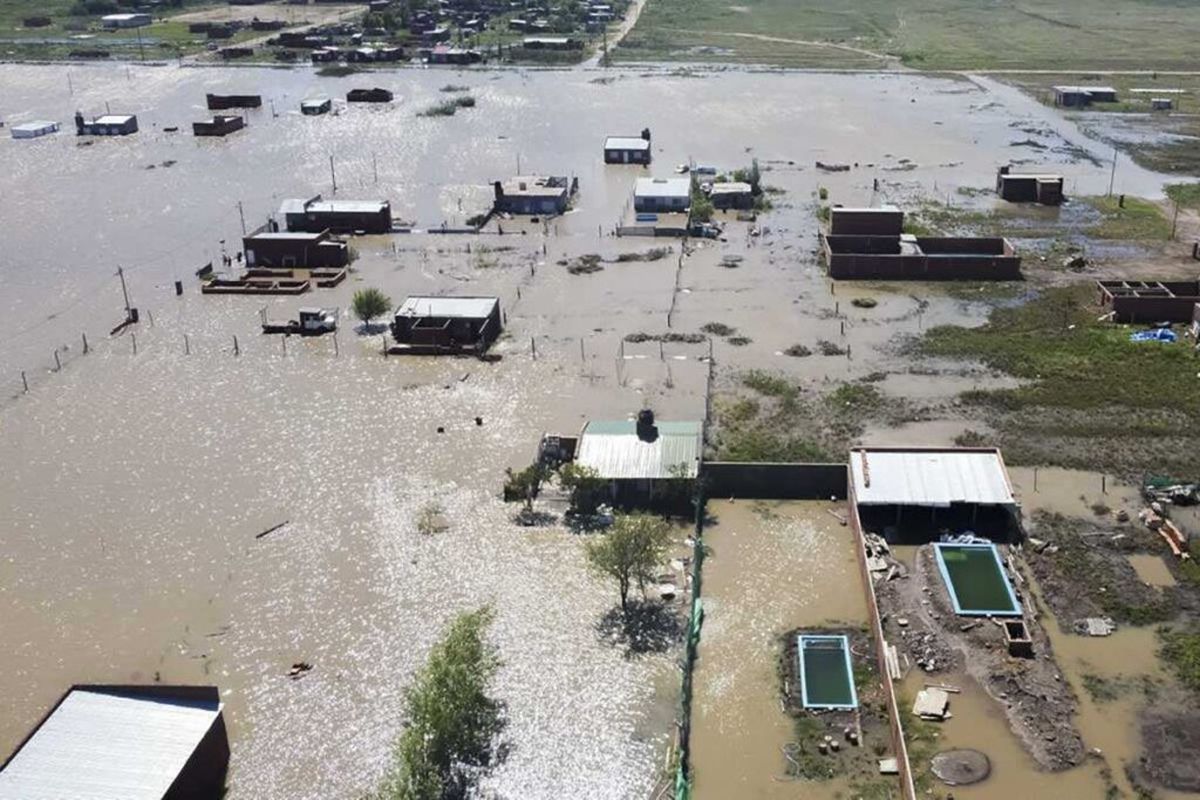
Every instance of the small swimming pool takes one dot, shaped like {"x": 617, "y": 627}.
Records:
{"x": 826, "y": 677}
{"x": 976, "y": 581}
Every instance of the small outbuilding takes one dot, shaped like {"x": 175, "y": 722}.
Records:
{"x": 1149, "y": 301}
{"x": 32, "y": 130}
{"x": 637, "y": 456}
{"x": 662, "y": 195}
{"x": 535, "y": 194}
{"x": 1029, "y": 187}
{"x": 628, "y": 149}
{"x": 435, "y": 325}
{"x": 315, "y": 106}
{"x": 375, "y": 95}
{"x": 883, "y": 221}
{"x": 123, "y": 743}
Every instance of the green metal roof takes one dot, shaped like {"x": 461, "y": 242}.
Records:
{"x": 612, "y": 448}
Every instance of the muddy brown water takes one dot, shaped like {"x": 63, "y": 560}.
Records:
{"x": 137, "y": 477}
{"x": 775, "y": 566}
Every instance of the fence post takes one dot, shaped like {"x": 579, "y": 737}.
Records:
{"x": 133, "y": 338}
{"x": 57, "y": 363}
{"x": 236, "y": 350}
{"x": 187, "y": 346}
{"x": 85, "y": 344}
{"x": 335, "y": 344}
{"x": 25, "y": 381}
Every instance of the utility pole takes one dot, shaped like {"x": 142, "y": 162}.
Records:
{"x": 332, "y": 174}
{"x": 375, "y": 167}
{"x": 1174, "y": 221}
{"x": 518, "y": 163}
{"x": 242, "y": 214}
{"x": 1112, "y": 178}
{"x": 141, "y": 50}
{"x": 124, "y": 290}
{"x": 70, "y": 87}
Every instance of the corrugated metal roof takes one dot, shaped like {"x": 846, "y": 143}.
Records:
{"x": 98, "y": 746}
{"x": 346, "y": 206}
{"x": 615, "y": 452}
{"x": 929, "y": 477}
{"x": 663, "y": 187}
{"x": 470, "y": 307}
{"x": 626, "y": 143}
{"x": 732, "y": 187}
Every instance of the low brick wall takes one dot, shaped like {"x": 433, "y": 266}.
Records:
{"x": 775, "y": 481}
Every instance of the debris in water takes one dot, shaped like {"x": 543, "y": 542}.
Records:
{"x": 271, "y": 530}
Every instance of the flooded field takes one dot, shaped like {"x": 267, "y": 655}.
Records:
{"x": 140, "y": 474}
{"x": 775, "y": 567}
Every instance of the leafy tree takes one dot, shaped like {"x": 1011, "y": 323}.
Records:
{"x": 702, "y": 207}
{"x": 526, "y": 484}
{"x": 370, "y": 303}
{"x": 585, "y": 486}
{"x": 674, "y": 495}
{"x": 452, "y": 719}
{"x": 631, "y": 551}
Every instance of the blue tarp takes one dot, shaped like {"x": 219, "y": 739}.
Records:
{"x": 1156, "y": 335}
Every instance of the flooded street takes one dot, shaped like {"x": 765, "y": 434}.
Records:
{"x": 139, "y": 475}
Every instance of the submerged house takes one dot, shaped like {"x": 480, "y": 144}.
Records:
{"x": 124, "y": 743}
{"x": 339, "y": 216}
{"x": 219, "y": 125}
{"x": 628, "y": 149}
{"x": 662, "y": 195}
{"x": 732, "y": 194}
{"x": 375, "y": 95}
{"x": 432, "y": 325}
{"x": 107, "y": 125}
{"x": 535, "y": 194}
{"x": 878, "y": 252}
{"x": 638, "y": 457}
{"x": 295, "y": 250}
{"x": 1029, "y": 187}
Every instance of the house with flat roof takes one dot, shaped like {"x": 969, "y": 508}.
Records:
{"x": 435, "y": 325}
{"x": 731, "y": 194}
{"x": 295, "y": 250}
{"x": 1029, "y": 187}
{"x": 118, "y": 21}
{"x": 535, "y": 194}
{"x": 1081, "y": 96}
{"x": 223, "y": 102}
{"x": 662, "y": 195}
{"x": 315, "y": 106}
{"x": 375, "y": 95}
{"x": 107, "y": 125}
{"x": 917, "y": 494}
{"x": 628, "y": 149}
{"x": 32, "y": 130}
{"x": 339, "y": 216}
{"x": 123, "y": 743}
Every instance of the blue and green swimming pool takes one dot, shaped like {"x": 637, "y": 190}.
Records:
{"x": 976, "y": 580}
{"x": 826, "y": 677}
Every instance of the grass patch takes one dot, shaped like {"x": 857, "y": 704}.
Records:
{"x": 828, "y": 348}
{"x": 672, "y": 337}
{"x": 448, "y": 108}
{"x": 454, "y": 87}
{"x": 338, "y": 70}
{"x": 770, "y": 385}
{"x": 864, "y": 302}
{"x": 797, "y": 351}
{"x": 1185, "y": 194}
{"x": 739, "y": 341}
{"x": 1180, "y": 651}
{"x": 653, "y": 254}
{"x": 1138, "y": 219}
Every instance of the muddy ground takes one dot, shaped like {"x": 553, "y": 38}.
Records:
{"x": 919, "y": 618}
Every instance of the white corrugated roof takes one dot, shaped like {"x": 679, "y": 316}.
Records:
{"x": 626, "y": 143}
{"x": 98, "y": 746}
{"x": 663, "y": 187}
{"x": 113, "y": 119}
{"x": 929, "y": 477}
{"x": 470, "y": 307}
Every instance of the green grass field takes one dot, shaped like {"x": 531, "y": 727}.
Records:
{"x": 926, "y": 34}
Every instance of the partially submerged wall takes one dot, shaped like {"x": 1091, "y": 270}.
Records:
{"x": 775, "y": 481}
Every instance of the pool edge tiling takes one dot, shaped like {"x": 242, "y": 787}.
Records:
{"x": 1014, "y": 609}
{"x": 844, "y": 643}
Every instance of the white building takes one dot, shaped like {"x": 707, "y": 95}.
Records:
{"x": 32, "y": 130}
{"x": 115, "y": 21}
{"x": 662, "y": 194}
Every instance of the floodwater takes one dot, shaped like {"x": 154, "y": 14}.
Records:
{"x": 138, "y": 475}
{"x": 775, "y": 566}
